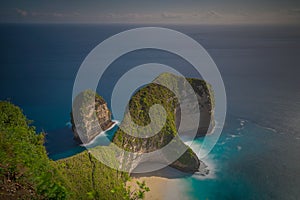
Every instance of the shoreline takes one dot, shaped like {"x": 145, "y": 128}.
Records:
{"x": 166, "y": 183}
{"x": 170, "y": 183}
{"x": 114, "y": 123}
{"x": 160, "y": 188}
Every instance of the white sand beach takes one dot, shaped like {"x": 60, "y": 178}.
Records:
{"x": 164, "y": 184}
{"x": 161, "y": 188}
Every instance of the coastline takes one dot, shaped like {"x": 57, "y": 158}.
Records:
{"x": 114, "y": 123}
{"x": 167, "y": 183}
{"x": 161, "y": 188}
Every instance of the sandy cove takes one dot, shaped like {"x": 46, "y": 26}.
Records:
{"x": 166, "y": 183}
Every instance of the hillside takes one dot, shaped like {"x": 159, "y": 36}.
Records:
{"x": 25, "y": 170}
{"x": 139, "y": 107}
{"x": 27, "y": 173}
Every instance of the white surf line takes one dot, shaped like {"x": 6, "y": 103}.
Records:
{"x": 208, "y": 161}
{"x": 116, "y": 122}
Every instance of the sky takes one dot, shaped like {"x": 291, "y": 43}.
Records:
{"x": 152, "y": 11}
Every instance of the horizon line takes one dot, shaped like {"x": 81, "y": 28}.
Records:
{"x": 154, "y": 23}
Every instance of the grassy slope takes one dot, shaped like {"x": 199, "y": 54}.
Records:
{"x": 27, "y": 173}
{"x": 90, "y": 178}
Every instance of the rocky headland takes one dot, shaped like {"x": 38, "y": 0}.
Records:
{"x": 91, "y": 122}
{"x": 139, "y": 106}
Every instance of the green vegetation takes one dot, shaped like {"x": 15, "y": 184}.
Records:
{"x": 138, "y": 193}
{"x": 90, "y": 179}
{"x": 139, "y": 106}
{"x": 27, "y": 173}
{"x": 25, "y": 170}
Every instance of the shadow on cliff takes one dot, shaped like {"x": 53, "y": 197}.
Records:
{"x": 167, "y": 172}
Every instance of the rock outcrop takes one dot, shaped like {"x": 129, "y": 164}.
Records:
{"x": 138, "y": 112}
{"x": 153, "y": 94}
{"x": 89, "y": 122}
{"x": 205, "y": 103}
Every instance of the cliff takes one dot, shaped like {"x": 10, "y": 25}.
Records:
{"x": 138, "y": 112}
{"x": 88, "y": 119}
{"x": 205, "y": 102}
{"x": 139, "y": 106}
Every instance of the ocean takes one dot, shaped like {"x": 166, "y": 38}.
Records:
{"x": 257, "y": 155}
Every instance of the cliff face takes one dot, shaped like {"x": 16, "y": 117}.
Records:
{"x": 205, "y": 103}
{"x": 88, "y": 118}
{"x": 138, "y": 111}
{"x": 139, "y": 106}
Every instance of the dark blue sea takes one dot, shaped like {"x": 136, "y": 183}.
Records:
{"x": 257, "y": 155}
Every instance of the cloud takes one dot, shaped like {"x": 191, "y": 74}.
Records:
{"x": 213, "y": 13}
{"x": 25, "y": 13}
{"x": 294, "y": 11}
{"x": 171, "y": 15}
{"x": 167, "y": 17}
{"x": 129, "y": 16}
{"x": 58, "y": 14}
{"x": 205, "y": 17}
{"x": 202, "y": 16}
{"x": 21, "y": 12}
{"x": 46, "y": 14}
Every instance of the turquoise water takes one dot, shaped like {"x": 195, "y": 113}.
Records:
{"x": 223, "y": 182}
{"x": 72, "y": 147}
{"x": 234, "y": 162}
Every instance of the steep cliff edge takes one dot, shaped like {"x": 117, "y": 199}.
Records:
{"x": 88, "y": 119}
{"x": 138, "y": 112}
{"x": 205, "y": 102}
{"x": 152, "y": 94}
